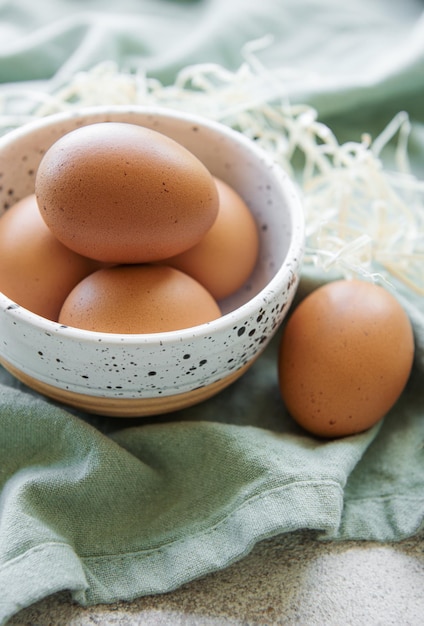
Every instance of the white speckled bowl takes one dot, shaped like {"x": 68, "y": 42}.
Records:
{"x": 135, "y": 375}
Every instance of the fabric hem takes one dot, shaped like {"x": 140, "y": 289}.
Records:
{"x": 36, "y": 574}
{"x": 163, "y": 569}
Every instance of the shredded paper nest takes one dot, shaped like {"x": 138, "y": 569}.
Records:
{"x": 361, "y": 219}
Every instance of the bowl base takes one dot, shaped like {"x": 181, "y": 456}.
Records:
{"x": 125, "y": 407}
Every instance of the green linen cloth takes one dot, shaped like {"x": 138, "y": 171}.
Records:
{"x": 113, "y": 508}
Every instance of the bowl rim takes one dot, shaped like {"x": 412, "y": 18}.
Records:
{"x": 285, "y": 273}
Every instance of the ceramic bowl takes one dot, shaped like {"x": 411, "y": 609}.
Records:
{"x": 146, "y": 374}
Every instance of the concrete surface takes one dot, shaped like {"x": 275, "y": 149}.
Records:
{"x": 289, "y": 580}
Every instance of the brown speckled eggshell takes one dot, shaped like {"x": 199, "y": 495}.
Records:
{"x": 226, "y": 256}
{"x": 345, "y": 357}
{"x": 138, "y": 299}
{"x": 36, "y": 270}
{"x": 122, "y": 193}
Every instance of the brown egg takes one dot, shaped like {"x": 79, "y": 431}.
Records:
{"x": 122, "y": 193}
{"x": 138, "y": 299}
{"x": 36, "y": 270}
{"x": 345, "y": 357}
{"x": 225, "y": 257}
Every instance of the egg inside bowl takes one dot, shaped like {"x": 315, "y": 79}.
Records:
{"x": 150, "y": 373}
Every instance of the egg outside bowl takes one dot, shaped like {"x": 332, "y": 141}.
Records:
{"x": 146, "y": 374}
